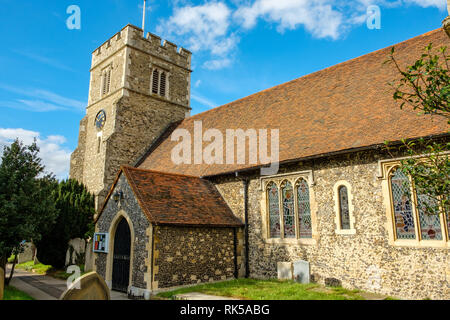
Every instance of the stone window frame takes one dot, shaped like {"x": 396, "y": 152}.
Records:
{"x": 337, "y": 208}
{"x": 160, "y": 70}
{"x": 105, "y": 87}
{"x": 386, "y": 169}
{"x": 293, "y": 178}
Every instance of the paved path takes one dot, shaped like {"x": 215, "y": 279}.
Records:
{"x": 42, "y": 287}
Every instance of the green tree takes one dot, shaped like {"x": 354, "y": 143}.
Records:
{"x": 75, "y": 219}
{"x": 26, "y": 208}
{"x": 425, "y": 86}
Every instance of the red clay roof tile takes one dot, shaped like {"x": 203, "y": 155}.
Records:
{"x": 343, "y": 107}
{"x": 173, "y": 199}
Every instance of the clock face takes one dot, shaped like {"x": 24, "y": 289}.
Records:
{"x": 100, "y": 119}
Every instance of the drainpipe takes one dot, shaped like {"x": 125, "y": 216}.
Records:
{"x": 245, "y": 182}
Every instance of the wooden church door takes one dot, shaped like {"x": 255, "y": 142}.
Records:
{"x": 121, "y": 258}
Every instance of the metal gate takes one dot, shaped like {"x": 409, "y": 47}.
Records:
{"x": 121, "y": 260}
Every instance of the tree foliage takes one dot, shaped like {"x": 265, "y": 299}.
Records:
{"x": 76, "y": 209}
{"x": 425, "y": 86}
{"x": 26, "y": 207}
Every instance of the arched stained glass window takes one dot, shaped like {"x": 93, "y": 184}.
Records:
{"x": 274, "y": 210}
{"x": 430, "y": 223}
{"x": 401, "y": 198}
{"x": 288, "y": 210}
{"x": 155, "y": 81}
{"x": 304, "y": 209}
{"x": 343, "y": 208}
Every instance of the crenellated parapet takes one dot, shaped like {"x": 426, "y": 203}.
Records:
{"x": 152, "y": 44}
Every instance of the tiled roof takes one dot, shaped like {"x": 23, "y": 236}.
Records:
{"x": 172, "y": 199}
{"x": 345, "y": 107}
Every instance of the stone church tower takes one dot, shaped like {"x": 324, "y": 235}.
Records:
{"x": 138, "y": 87}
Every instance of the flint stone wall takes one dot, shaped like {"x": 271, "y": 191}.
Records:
{"x": 356, "y": 260}
{"x": 140, "y": 224}
{"x": 185, "y": 255}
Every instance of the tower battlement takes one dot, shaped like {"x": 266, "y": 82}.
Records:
{"x": 152, "y": 44}
{"x": 138, "y": 86}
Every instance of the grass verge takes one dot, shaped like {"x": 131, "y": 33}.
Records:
{"x": 37, "y": 268}
{"x": 252, "y": 289}
{"x": 47, "y": 270}
{"x": 12, "y": 293}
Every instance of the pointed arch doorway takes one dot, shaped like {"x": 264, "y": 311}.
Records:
{"x": 121, "y": 257}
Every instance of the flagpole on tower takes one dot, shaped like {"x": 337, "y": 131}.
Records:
{"x": 143, "y": 19}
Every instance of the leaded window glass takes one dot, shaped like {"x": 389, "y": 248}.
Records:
{"x": 304, "y": 209}
{"x": 403, "y": 214}
{"x": 430, "y": 223}
{"x": 288, "y": 210}
{"x": 344, "y": 211}
{"x": 274, "y": 210}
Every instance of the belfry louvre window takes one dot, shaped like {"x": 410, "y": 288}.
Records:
{"x": 106, "y": 81}
{"x": 159, "y": 83}
{"x": 155, "y": 83}
{"x": 289, "y": 210}
{"x": 162, "y": 84}
{"x": 413, "y": 214}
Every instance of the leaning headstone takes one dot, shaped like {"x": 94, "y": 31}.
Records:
{"x": 2, "y": 282}
{"x": 284, "y": 270}
{"x": 28, "y": 253}
{"x": 88, "y": 287}
{"x": 302, "y": 271}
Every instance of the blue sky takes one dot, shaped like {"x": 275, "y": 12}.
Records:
{"x": 240, "y": 47}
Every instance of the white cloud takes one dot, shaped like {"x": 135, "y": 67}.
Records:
{"x": 202, "y": 28}
{"x": 317, "y": 16}
{"x": 44, "y": 60}
{"x": 214, "y": 26}
{"x": 55, "y": 156}
{"x": 217, "y": 64}
{"x": 321, "y": 18}
{"x": 42, "y": 100}
{"x": 440, "y": 4}
{"x": 202, "y": 100}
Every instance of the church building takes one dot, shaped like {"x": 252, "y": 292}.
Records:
{"x": 337, "y": 200}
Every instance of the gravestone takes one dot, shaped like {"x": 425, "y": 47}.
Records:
{"x": 89, "y": 257}
{"x": 302, "y": 271}
{"x": 28, "y": 254}
{"x": 88, "y": 287}
{"x": 75, "y": 254}
{"x": 2, "y": 282}
{"x": 284, "y": 270}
